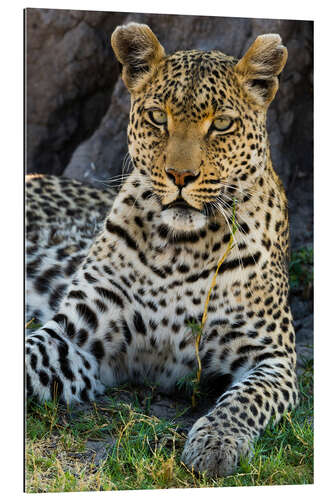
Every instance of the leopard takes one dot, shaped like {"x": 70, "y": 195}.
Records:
{"x": 116, "y": 277}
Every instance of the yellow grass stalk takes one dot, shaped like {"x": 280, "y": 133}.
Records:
{"x": 205, "y": 313}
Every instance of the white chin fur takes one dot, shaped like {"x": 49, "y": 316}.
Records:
{"x": 183, "y": 220}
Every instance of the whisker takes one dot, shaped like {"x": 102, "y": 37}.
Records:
{"x": 245, "y": 192}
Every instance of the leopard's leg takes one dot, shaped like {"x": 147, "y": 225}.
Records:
{"x": 58, "y": 368}
{"x": 217, "y": 440}
{"x": 84, "y": 345}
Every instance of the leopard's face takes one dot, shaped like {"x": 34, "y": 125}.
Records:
{"x": 196, "y": 137}
{"x": 197, "y": 127}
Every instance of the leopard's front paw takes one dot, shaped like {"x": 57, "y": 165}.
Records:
{"x": 210, "y": 450}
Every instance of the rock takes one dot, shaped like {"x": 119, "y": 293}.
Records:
{"x": 304, "y": 335}
{"x": 94, "y": 160}
{"x": 300, "y": 308}
{"x": 304, "y": 340}
{"x": 100, "y": 449}
{"x": 71, "y": 71}
{"x": 304, "y": 354}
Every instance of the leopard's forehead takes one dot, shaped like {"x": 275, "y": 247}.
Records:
{"x": 194, "y": 83}
{"x": 191, "y": 60}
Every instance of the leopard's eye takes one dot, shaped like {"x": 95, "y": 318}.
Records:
{"x": 157, "y": 116}
{"x": 222, "y": 124}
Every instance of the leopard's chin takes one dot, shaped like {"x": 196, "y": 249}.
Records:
{"x": 183, "y": 219}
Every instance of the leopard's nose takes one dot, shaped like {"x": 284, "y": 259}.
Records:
{"x": 181, "y": 178}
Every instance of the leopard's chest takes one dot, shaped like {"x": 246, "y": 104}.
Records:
{"x": 154, "y": 304}
{"x": 162, "y": 323}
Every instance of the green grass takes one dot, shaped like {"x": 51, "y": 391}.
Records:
{"x": 145, "y": 451}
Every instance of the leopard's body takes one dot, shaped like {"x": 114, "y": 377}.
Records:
{"x": 117, "y": 307}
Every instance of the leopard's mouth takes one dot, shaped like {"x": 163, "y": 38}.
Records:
{"x": 181, "y": 216}
{"x": 180, "y": 204}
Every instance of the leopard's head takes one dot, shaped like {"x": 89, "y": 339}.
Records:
{"x": 197, "y": 128}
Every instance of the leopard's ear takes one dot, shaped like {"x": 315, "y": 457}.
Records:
{"x": 259, "y": 67}
{"x": 138, "y": 51}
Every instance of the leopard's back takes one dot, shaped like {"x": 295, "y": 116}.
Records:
{"x": 63, "y": 216}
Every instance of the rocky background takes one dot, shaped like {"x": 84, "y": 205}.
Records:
{"x": 77, "y": 106}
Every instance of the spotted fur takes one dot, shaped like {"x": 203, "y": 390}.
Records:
{"x": 117, "y": 297}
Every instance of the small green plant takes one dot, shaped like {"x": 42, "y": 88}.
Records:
{"x": 32, "y": 324}
{"x": 301, "y": 268}
{"x": 144, "y": 452}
